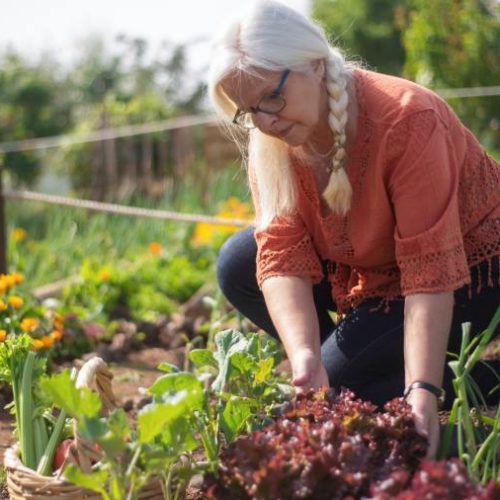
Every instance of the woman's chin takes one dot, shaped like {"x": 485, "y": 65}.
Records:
{"x": 293, "y": 137}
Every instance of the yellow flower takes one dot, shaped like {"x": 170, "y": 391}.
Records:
{"x": 47, "y": 341}
{"x": 19, "y": 234}
{"x": 8, "y": 281}
{"x": 232, "y": 208}
{"x": 29, "y": 325}
{"x": 17, "y": 277}
{"x": 36, "y": 344}
{"x": 3, "y": 305}
{"x": 56, "y": 335}
{"x": 15, "y": 301}
{"x": 3, "y": 334}
{"x": 104, "y": 275}
{"x": 155, "y": 248}
{"x": 203, "y": 233}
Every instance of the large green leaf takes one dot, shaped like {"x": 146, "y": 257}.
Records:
{"x": 95, "y": 480}
{"x": 228, "y": 342}
{"x": 235, "y": 415}
{"x": 60, "y": 389}
{"x": 111, "y": 433}
{"x": 203, "y": 358}
{"x": 178, "y": 437}
{"x": 172, "y": 383}
{"x": 153, "y": 418}
{"x": 243, "y": 362}
{"x": 264, "y": 371}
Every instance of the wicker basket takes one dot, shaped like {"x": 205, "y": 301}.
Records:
{"x": 25, "y": 483}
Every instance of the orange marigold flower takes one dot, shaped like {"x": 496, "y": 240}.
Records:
{"x": 59, "y": 324}
{"x": 30, "y": 324}
{"x": 3, "y": 334}
{"x": 56, "y": 335}
{"x": 104, "y": 275}
{"x": 3, "y": 305}
{"x": 36, "y": 344}
{"x": 8, "y": 281}
{"x": 17, "y": 277}
{"x": 155, "y": 248}
{"x": 19, "y": 234}
{"x": 15, "y": 301}
{"x": 47, "y": 341}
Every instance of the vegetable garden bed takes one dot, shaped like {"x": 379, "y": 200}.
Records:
{"x": 225, "y": 415}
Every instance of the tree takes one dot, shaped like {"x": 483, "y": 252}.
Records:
{"x": 456, "y": 43}
{"x": 33, "y": 103}
{"x": 369, "y": 29}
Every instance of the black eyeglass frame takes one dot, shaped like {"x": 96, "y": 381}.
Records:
{"x": 256, "y": 109}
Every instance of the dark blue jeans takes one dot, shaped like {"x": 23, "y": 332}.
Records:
{"x": 364, "y": 352}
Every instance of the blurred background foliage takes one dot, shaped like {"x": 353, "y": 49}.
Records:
{"x": 439, "y": 43}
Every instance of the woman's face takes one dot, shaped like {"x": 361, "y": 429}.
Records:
{"x": 306, "y": 102}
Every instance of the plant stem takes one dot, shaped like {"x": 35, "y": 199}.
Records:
{"x": 26, "y": 413}
{"x": 135, "y": 457}
{"x": 39, "y": 447}
{"x": 45, "y": 464}
{"x": 445, "y": 444}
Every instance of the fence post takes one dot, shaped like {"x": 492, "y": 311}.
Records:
{"x": 3, "y": 232}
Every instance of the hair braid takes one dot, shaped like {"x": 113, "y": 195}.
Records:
{"x": 338, "y": 191}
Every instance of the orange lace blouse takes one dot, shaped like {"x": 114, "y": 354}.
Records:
{"x": 425, "y": 205}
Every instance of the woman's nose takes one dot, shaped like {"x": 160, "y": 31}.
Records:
{"x": 264, "y": 121}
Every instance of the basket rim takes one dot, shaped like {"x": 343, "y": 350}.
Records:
{"x": 12, "y": 461}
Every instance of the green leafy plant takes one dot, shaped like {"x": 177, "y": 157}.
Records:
{"x": 478, "y": 435}
{"x": 190, "y": 413}
{"x": 139, "y": 289}
{"x": 38, "y": 432}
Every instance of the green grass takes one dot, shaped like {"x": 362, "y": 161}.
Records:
{"x": 60, "y": 238}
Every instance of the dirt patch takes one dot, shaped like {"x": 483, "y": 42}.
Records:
{"x": 6, "y": 431}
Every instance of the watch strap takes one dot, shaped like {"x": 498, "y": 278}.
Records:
{"x": 439, "y": 392}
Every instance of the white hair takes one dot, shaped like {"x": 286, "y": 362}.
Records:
{"x": 275, "y": 37}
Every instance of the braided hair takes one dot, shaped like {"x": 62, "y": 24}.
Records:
{"x": 338, "y": 192}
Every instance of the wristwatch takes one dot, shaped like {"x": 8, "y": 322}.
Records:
{"x": 439, "y": 392}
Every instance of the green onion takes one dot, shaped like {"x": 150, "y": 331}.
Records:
{"x": 45, "y": 464}
{"x": 26, "y": 413}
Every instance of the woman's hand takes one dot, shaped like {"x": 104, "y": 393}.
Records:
{"x": 425, "y": 412}
{"x": 308, "y": 371}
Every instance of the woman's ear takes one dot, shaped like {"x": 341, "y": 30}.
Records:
{"x": 319, "y": 68}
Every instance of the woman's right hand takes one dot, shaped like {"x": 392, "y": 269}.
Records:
{"x": 308, "y": 371}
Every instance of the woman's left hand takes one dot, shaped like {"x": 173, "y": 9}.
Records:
{"x": 425, "y": 412}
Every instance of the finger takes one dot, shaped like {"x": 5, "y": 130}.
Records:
{"x": 302, "y": 372}
{"x": 301, "y": 380}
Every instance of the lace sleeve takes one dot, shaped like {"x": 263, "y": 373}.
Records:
{"x": 423, "y": 186}
{"x": 284, "y": 248}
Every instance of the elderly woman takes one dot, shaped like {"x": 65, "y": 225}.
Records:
{"x": 372, "y": 200}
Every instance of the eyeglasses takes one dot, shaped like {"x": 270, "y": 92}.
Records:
{"x": 270, "y": 104}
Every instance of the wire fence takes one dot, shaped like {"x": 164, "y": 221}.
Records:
{"x": 181, "y": 122}
{"x": 112, "y": 208}
{"x": 141, "y": 129}
{"x": 105, "y": 134}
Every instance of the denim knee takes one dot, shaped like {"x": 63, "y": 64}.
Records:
{"x": 236, "y": 262}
